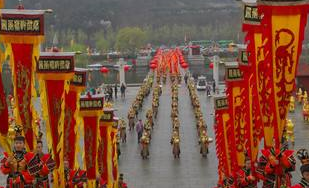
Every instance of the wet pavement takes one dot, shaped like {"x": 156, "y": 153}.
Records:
{"x": 161, "y": 170}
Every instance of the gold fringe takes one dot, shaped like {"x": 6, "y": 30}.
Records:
{"x": 91, "y": 183}
{"x": 109, "y": 156}
{"x": 77, "y": 131}
{"x": 35, "y": 54}
{"x": 98, "y": 144}
{"x": 91, "y": 113}
{"x": 43, "y": 96}
{"x": 5, "y": 144}
{"x": 8, "y": 52}
{"x": 35, "y": 40}
{"x": 55, "y": 76}
{"x": 115, "y": 159}
{"x": 60, "y": 133}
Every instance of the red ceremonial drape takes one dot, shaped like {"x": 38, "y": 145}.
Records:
{"x": 257, "y": 130}
{"x": 102, "y": 153}
{"x": 220, "y": 146}
{"x": 226, "y": 142}
{"x": 90, "y": 141}
{"x": 54, "y": 91}
{"x": 23, "y": 84}
{"x": 69, "y": 140}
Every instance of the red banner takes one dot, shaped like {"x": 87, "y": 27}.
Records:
{"x": 102, "y": 152}
{"x": 69, "y": 133}
{"x": 54, "y": 92}
{"x": 221, "y": 148}
{"x": 225, "y": 140}
{"x": 283, "y": 30}
{"x": 90, "y": 140}
{"x": 253, "y": 33}
{"x": 237, "y": 93}
{"x": 23, "y": 85}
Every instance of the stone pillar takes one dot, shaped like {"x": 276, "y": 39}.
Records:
{"x": 122, "y": 78}
{"x": 190, "y": 49}
{"x": 216, "y": 63}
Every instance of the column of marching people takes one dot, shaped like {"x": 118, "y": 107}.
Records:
{"x": 175, "y": 139}
{"x": 201, "y": 126}
{"x": 137, "y": 104}
{"x": 151, "y": 113}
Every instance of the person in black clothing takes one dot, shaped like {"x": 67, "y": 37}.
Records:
{"x": 111, "y": 92}
{"x": 214, "y": 87}
{"x": 123, "y": 90}
{"x": 186, "y": 78}
{"x": 116, "y": 91}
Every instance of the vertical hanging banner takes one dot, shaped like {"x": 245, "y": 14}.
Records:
{"x": 254, "y": 128}
{"x": 54, "y": 71}
{"x": 256, "y": 57}
{"x": 247, "y": 95}
{"x": 283, "y": 26}
{"x": 225, "y": 143}
{"x": 251, "y": 25}
{"x": 71, "y": 134}
{"x": 22, "y": 31}
{"x": 236, "y": 93}
{"x": 105, "y": 156}
{"x": 91, "y": 109}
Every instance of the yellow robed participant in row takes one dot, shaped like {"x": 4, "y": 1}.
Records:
{"x": 306, "y": 111}
{"x": 299, "y": 95}
{"x": 305, "y": 97}
{"x": 289, "y": 132}
{"x": 292, "y": 104}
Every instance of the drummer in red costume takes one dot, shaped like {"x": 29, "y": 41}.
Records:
{"x": 303, "y": 156}
{"x": 20, "y": 166}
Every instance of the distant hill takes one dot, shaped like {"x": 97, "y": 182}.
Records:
{"x": 93, "y": 14}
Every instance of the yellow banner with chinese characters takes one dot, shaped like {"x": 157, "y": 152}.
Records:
{"x": 284, "y": 44}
